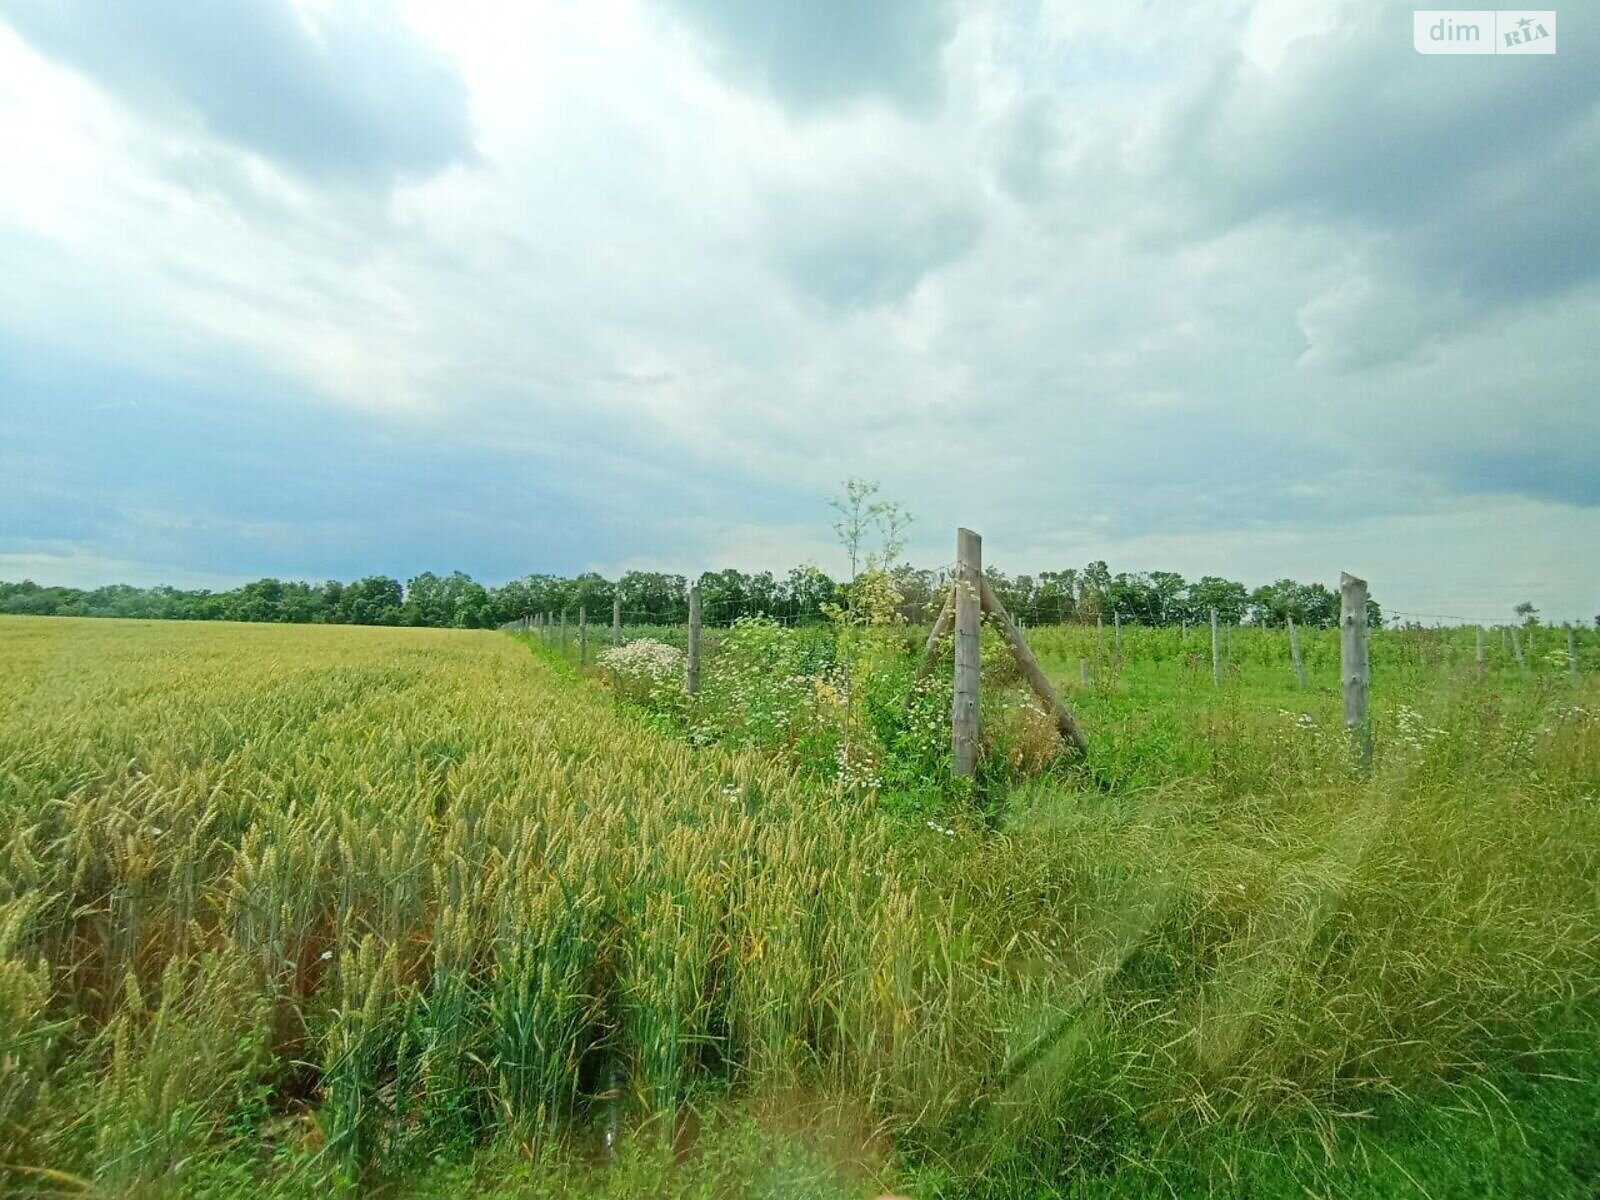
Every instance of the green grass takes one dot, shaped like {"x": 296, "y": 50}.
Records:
{"x": 285, "y": 910}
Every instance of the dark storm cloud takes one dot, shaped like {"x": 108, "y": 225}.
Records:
{"x": 1472, "y": 172}
{"x": 815, "y": 55}
{"x": 354, "y": 99}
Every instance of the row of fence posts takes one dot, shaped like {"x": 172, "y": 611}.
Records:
{"x": 1355, "y": 665}
{"x": 554, "y": 631}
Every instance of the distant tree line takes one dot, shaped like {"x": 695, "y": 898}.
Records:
{"x": 655, "y": 598}
{"x": 1162, "y": 598}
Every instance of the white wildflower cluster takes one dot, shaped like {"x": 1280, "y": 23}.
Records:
{"x": 1412, "y": 731}
{"x": 858, "y": 767}
{"x": 1559, "y": 722}
{"x": 938, "y": 828}
{"x": 928, "y": 716}
{"x": 644, "y": 659}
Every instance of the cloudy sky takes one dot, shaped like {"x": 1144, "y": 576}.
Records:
{"x": 320, "y": 288}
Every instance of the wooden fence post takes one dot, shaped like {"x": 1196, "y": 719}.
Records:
{"x": 583, "y": 635}
{"x": 691, "y": 681}
{"x": 1116, "y": 638}
{"x": 616, "y": 618}
{"x": 563, "y": 633}
{"x": 1516, "y": 648}
{"x": 1083, "y": 672}
{"x": 1216, "y": 652}
{"x": 1294, "y": 655}
{"x": 1480, "y": 654}
{"x": 1572, "y": 653}
{"x": 1355, "y": 667}
{"x": 968, "y": 622}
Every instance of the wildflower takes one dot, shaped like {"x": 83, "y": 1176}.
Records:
{"x": 643, "y": 659}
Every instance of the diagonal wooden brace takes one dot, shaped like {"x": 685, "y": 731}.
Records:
{"x": 1031, "y": 670}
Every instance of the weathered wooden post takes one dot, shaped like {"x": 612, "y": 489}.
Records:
{"x": 1294, "y": 654}
{"x": 1083, "y": 671}
{"x": 968, "y": 625}
{"x": 1116, "y": 638}
{"x": 583, "y": 635}
{"x": 616, "y": 618}
{"x": 1480, "y": 654}
{"x": 563, "y": 633}
{"x": 1516, "y": 648}
{"x": 1216, "y": 652}
{"x": 691, "y": 681}
{"x": 1572, "y": 653}
{"x": 1355, "y": 668}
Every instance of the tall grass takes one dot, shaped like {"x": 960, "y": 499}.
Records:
{"x": 362, "y": 896}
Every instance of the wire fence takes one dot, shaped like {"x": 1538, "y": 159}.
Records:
{"x": 1102, "y": 647}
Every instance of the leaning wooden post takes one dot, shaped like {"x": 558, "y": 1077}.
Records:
{"x": 691, "y": 678}
{"x": 1355, "y": 668}
{"x": 583, "y": 635}
{"x": 616, "y": 618}
{"x": 941, "y": 626}
{"x": 1031, "y": 670}
{"x": 968, "y": 624}
{"x": 1294, "y": 654}
{"x": 1216, "y": 652}
{"x": 1572, "y": 653}
{"x": 1480, "y": 654}
{"x": 1516, "y": 648}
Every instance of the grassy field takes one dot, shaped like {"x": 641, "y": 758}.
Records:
{"x": 285, "y": 909}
